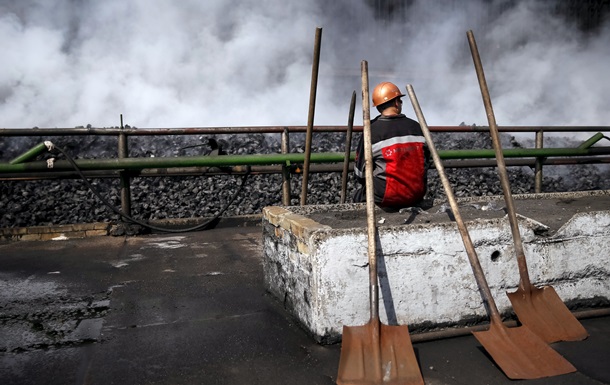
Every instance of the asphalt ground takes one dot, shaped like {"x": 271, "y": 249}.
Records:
{"x": 191, "y": 308}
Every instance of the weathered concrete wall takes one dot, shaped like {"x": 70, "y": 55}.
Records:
{"x": 321, "y": 272}
{"x": 58, "y": 232}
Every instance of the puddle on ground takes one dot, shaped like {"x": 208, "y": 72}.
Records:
{"x": 38, "y": 313}
{"x": 125, "y": 262}
{"x": 165, "y": 243}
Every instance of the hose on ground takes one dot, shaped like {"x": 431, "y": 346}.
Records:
{"x": 208, "y": 224}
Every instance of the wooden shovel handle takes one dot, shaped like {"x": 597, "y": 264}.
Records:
{"x": 370, "y": 197}
{"x": 495, "y": 138}
{"x": 472, "y": 254}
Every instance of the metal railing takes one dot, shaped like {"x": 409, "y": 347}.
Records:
{"x": 124, "y": 167}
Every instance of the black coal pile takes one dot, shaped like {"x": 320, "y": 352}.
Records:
{"x": 67, "y": 201}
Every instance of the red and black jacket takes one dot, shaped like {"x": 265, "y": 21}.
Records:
{"x": 400, "y": 159}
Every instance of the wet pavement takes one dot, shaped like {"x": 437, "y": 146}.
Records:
{"x": 192, "y": 309}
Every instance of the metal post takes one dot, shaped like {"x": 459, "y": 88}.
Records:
{"x": 124, "y": 175}
{"x": 312, "y": 109}
{"x": 286, "y": 169}
{"x": 539, "y": 162}
{"x": 348, "y": 147}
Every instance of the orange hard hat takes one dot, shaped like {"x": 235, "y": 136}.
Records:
{"x": 384, "y": 92}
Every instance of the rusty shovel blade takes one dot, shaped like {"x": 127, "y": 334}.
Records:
{"x": 542, "y": 311}
{"x": 521, "y": 354}
{"x": 389, "y": 359}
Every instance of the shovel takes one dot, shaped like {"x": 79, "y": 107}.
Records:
{"x": 375, "y": 353}
{"x": 519, "y": 352}
{"x": 540, "y": 309}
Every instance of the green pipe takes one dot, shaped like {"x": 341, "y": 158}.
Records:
{"x": 591, "y": 141}
{"x": 31, "y": 153}
{"x": 520, "y": 153}
{"x": 184, "y": 161}
{"x": 274, "y": 159}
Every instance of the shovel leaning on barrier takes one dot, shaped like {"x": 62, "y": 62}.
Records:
{"x": 375, "y": 353}
{"x": 540, "y": 309}
{"x": 519, "y": 352}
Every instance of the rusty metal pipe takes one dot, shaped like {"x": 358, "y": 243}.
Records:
{"x": 348, "y": 147}
{"x": 286, "y": 193}
{"x": 125, "y": 181}
{"x": 79, "y": 131}
{"x": 312, "y": 110}
{"x": 539, "y": 163}
{"x": 464, "y": 331}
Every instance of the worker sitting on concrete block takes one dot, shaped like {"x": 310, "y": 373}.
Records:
{"x": 400, "y": 154}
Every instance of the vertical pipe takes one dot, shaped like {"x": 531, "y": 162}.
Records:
{"x": 312, "y": 109}
{"x": 124, "y": 175}
{"x": 285, "y": 169}
{"x": 538, "y": 167}
{"x": 348, "y": 147}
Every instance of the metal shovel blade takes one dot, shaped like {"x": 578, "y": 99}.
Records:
{"x": 393, "y": 361}
{"x": 545, "y": 314}
{"x": 540, "y": 309}
{"x": 521, "y": 354}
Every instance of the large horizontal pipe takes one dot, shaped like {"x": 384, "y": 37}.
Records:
{"x": 269, "y": 130}
{"x": 184, "y": 161}
{"x": 276, "y": 169}
{"x": 531, "y": 162}
{"x": 524, "y": 152}
{"x": 275, "y": 159}
{"x": 452, "y": 158}
{"x": 175, "y": 171}
{"x": 464, "y": 331}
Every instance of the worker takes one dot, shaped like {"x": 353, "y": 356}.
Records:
{"x": 400, "y": 155}
{"x": 217, "y": 150}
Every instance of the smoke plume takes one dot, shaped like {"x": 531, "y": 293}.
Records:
{"x": 165, "y": 63}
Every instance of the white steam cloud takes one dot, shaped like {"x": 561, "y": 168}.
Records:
{"x": 164, "y": 63}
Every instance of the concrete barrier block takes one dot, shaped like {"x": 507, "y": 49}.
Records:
{"x": 274, "y": 214}
{"x": 316, "y": 261}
